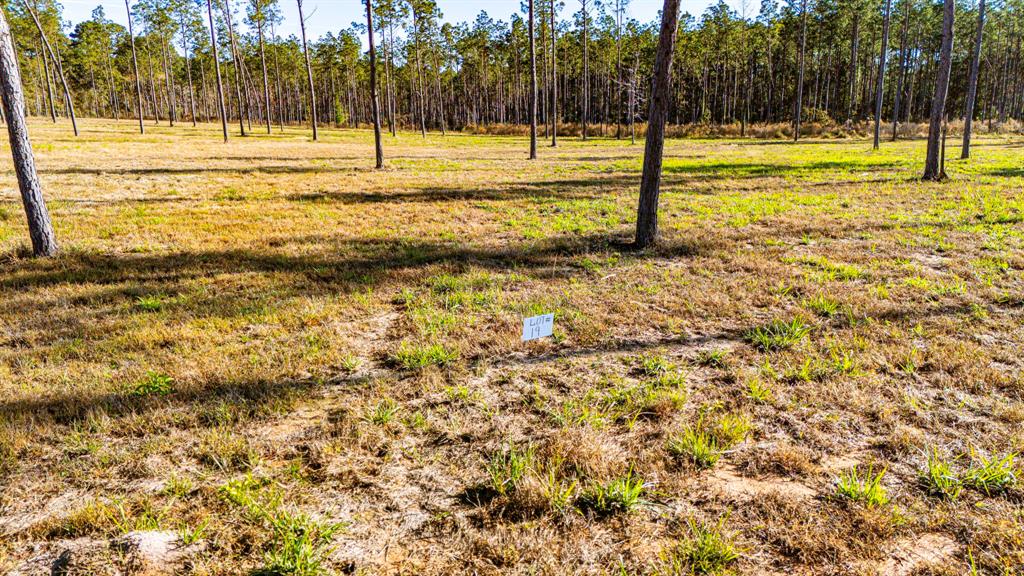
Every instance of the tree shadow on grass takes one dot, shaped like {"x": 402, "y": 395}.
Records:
{"x": 763, "y": 170}
{"x": 346, "y": 260}
{"x": 211, "y": 402}
{"x": 200, "y": 170}
{"x": 1015, "y": 172}
{"x": 242, "y": 400}
{"x": 566, "y": 189}
{"x": 252, "y": 282}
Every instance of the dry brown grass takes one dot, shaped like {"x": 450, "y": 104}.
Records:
{"x": 249, "y": 342}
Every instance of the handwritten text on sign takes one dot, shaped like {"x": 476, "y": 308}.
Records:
{"x": 538, "y": 327}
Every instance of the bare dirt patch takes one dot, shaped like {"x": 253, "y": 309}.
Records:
{"x": 727, "y": 480}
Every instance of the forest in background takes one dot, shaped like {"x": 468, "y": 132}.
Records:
{"x": 731, "y": 68}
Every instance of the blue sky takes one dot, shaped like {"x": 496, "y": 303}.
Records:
{"x": 333, "y": 15}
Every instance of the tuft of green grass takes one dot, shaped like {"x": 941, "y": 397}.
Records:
{"x": 189, "y": 535}
{"x": 619, "y": 495}
{"x": 713, "y": 358}
{"x": 822, "y": 305}
{"x": 226, "y": 450}
{"x": 992, "y": 476}
{"x": 154, "y": 384}
{"x": 413, "y": 357}
{"x": 696, "y": 445}
{"x": 938, "y": 478}
{"x": 731, "y": 429}
{"x": 778, "y": 334}
{"x": 383, "y": 412}
{"x": 150, "y": 303}
{"x": 653, "y": 365}
{"x": 301, "y": 545}
{"x": 349, "y": 363}
{"x": 705, "y": 443}
{"x": 832, "y": 270}
{"x": 557, "y": 492}
{"x": 758, "y": 391}
{"x": 509, "y": 467}
{"x": 178, "y": 486}
{"x": 866, "y": 488}
{"x": 708, "y": 550}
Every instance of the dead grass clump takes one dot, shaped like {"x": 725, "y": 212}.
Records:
{"x": 781, "y": 458}
{"x": 226, "y": 450}
{"x": 584, "y": 452}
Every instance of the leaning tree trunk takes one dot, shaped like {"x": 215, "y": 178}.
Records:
{"x": 40, "y": 228}
{"x": 533, "y": 85}
{"x": 647, "y": 213}
{"x": 374, "y": 104}
{"x": 59, "y": 67}
{"x": 135, "y": 66}
{"x": 309, "y": 69}
{"x": 236, "y": 57}
{"x": 972, "y": 83}
{"x": 800, "y": 76}
{"x": 49, "y": 85}
{"x": 880, "y": 94}
{"x": 216, "y": 67}
{"x": 932, "y": 168}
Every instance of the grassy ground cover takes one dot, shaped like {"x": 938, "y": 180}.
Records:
{"x": 299, "y": 365}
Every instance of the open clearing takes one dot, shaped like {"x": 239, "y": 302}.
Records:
{"x": 268, "y": 352}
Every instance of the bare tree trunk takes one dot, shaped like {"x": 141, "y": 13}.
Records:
{"x": 277, "y": 83}
{"x": 972, "y": 83}
{"x": 932, "y": 169}
{"x": 533, "y": 85}
{"x": 309, "y": 69}
{"x": 650, "y": 186}
{"x": 419, "y": 74}
{"x": 113, "y": 91}
{"x": 266, "y": 81}
{"x": 135, "y": 66}
{"x": 169, "y": 83}
{"x": 586, "y": 70}
{"x": 854, "y": 46}
{"x": 880, "y": 94}
{"x": 633, "y": 99}
{"x": 188, "y": 72}
{"x": 554, "y": 77}
{"x": 58, "y": 66}
{"x": 374, "y": 104}
{"x": 618, "y": 68}
{"x": 390, "y": 80}
{"x": 40, "y": 228}
{"x": 800, "y": 75}
{"x": 216, "y": 67}
{"x": 49, "y": 85}
{"x": 440, "y": 97}
{"x": 236, "y": 57}
{"x": 901, "y": 74}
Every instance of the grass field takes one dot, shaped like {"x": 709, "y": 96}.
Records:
{"x": 297, "y": 365}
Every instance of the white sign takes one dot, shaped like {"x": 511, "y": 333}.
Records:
{"x": 538, "y": 327}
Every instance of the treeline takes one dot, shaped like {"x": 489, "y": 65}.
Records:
{"x": 594, "y": 64}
